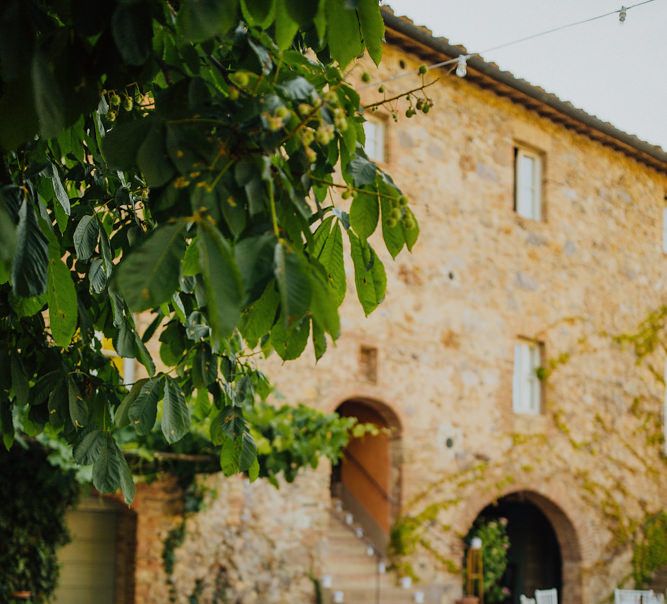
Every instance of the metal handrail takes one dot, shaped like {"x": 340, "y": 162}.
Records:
{"x": 378, "y": 487}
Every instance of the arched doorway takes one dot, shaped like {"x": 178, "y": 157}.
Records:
{"x": 544, "y": 550}
{"x": 367, "y": 479}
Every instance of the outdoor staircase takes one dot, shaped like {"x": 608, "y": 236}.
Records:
{"x": 354, "y": 568}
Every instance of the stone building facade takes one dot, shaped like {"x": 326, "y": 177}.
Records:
{"x": 436, "y": 361}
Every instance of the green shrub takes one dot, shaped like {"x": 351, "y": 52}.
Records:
{"x": 495, "y": 546}
{"x": 33, "y": 500}
{"x": 650, "y": 550}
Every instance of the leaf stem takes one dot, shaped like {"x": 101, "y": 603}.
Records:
{"x": 401, "y": 95}
{"x": 274, "y": 215}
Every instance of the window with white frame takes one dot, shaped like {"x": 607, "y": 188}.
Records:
{"x": 664, "y": 230}
{"x": 526, "y": 386}
{"x": 528, "y": 183}
{"x": 375, "y": 139}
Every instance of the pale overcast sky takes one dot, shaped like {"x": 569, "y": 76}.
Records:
{"x": 616, "y": 72}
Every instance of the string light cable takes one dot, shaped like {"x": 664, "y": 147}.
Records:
{"x": 461, "y": 61}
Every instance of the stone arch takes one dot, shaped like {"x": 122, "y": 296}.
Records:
{"x": 566, "y": 534}
{"x": 368, "y": 479}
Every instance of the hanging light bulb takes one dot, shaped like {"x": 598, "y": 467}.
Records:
{"x": 622, "y": 14}
{"x": 462, "y": 66}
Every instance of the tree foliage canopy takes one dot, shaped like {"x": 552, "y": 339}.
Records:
{"x": 178, "y": 159}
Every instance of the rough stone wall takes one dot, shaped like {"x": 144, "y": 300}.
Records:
{"x": 479, "y": 278}
{"x": 250, "y": 543}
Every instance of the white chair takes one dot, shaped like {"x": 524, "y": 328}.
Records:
{"x": 546, "y": 596}
{"x": 636, "y": 596}
{"x": 525, "y": 600}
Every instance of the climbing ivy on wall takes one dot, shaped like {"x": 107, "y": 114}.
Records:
{"x": 495, "y": 546}
{"x": 32, "y": 522}
{"x": 630, "y": 523}
{"x": 289, "y": 439}
{"x": 650, "y": 549}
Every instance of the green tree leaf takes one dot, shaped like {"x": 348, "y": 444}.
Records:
{"x": 190, "y": 265}
{"x": 363, "y": 171}
{"x": 142, "y": 405}
{"x": 224, "y": 289}
{"x": 324, "y": 306}
{"x": 290, "y": 341}
{"x": 59, "y": 191}
{"x": 237, "y": 454}
{"x": 248, "y": 453}
{"x": 85, "y": 237}
{"x": 122, "y": 143}
{"x": 132, "y": 29}
{"x": 31, "y": 258}
{"x": 372, "y": 27}
{"x": 302, "y": 11}
{"x": 291, "y": 272}
{"x": 254, "y": 256}
{"x": 298, "y": 89}
{"x": 229, "y": 422}
{"x": 258, "y": 12}
{"x": 97, "y": 276}
{"x": 88, "y": 448}
{"x": 78, "y": 408}
{"x": 27, "y": 307}
{"x": 343, "y": 33}
{"x": 149, "y": 275}
{"x": 6, "y": 422}
{"x": 204, "y": 367}
{"x": 258, "y": 319}
{"x": 364, "y": 214}
{"x": 369, "y": 275}
{"x": 20, "y": 384}
{"x": 253, "y": 470}
{"x": 18, "y": 116}
{"x": 8, "y": 239}
{"x": 62, "y": 300}
{"x": 122, "y": 416}
{"x": 200, "y": 20}
{"x": 319, "y": 341}
{"x": 393, "y": 235}
{"x": 110, "y": 470}
{"x": 175, "y": 413}
{"x": 327, "y": 247}
{"x": 153, "y": 160}
{"x": 286, "y": 26}
{"x": 47, "y": 96}
{"x": 411, "y": 234}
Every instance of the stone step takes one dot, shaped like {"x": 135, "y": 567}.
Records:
{"x": 352, "y": 580}
{"x": 363, "y": 575}
{"x": 354, "y": 572}
{"x": 345, "y": 537}
{"x": 340, "y": 560}
{"x": 348, "y": 547}
{"x": 369, "y": 596}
